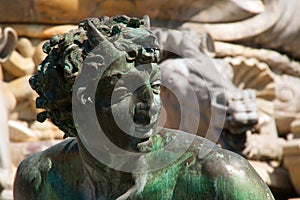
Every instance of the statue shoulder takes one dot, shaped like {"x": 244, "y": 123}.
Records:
{"x": 210, "y": 172}
{"x": 35, "y": 175}
{"x": 29, "y": 176}
{"x": 227, "y": 175}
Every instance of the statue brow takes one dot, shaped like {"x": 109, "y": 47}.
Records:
{"x": 116, "y": 73}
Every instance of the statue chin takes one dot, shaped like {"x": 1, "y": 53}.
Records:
{"x": 143, "y": 131}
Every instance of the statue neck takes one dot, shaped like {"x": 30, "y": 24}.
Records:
{"x": 103, "y": 181}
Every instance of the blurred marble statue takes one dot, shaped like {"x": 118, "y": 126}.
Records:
{"x": 262, "y": 47}
{"x": 255, "y": 98}
{"x": 254, "y": 89}
{"x": 193, "y": 69}
{"x": 106, "y": 72}
{"x": 271, "y": 24}
{"x": 8, "y": 38}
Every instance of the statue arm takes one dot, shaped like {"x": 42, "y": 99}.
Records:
{"x": 29, "y": 177}
{"x": 233, "y": 177}
{"x": 50, "y": 174}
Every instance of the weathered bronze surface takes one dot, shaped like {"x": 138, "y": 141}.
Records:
{"x": 129, "y": 86}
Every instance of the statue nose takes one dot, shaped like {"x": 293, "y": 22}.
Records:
{"x": 144, "y": 105}
{"x": 143, "y": 95}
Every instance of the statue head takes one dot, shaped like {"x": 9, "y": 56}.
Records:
{"x": 121, "y": 55}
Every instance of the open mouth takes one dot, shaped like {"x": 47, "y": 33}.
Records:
{"x": 142, "y": 118}
{"x": 143, "y": 125}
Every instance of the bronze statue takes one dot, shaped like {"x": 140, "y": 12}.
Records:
{"x": 106, "y": 72}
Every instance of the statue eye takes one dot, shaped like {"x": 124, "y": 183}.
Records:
{"x": 147, "y": 55}
{"x": 156, "y": 86}
{"x": 119, "y": 94}
{"x": 131, "y": 55}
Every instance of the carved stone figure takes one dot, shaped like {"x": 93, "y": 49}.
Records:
{"x": 259, "y": 93}
{"x": 70, "y": 11}
{"x": 108, "y": 69}
{"x": 256, "y": 91}
{"x": 271, "y": 27}
{"x": 7, "y": 102}
{"x": 216, "y": 94}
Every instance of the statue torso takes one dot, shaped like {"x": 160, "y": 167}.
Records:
{"x": 202, "y": 171}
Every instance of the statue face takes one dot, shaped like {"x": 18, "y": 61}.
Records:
{"x": 128, "y": 101}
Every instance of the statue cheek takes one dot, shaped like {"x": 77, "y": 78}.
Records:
{"x": 157, "y": 103}
{"x": 157, "y": 100}
{"x": 122, "y": 113}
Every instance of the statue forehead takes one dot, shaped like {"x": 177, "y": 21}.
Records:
{"x": 133, "y": 39}
{"x": 140, "y": 36}
{"x": 152, "y": 71}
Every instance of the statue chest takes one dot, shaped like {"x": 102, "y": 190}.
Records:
{"x": 160, "y": 185}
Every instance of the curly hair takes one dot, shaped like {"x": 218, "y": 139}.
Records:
{"x": 66, "y": 52}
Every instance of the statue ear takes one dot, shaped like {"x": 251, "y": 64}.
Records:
{"x": 7, "y": 43}
{"x": 145, "y": 21}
